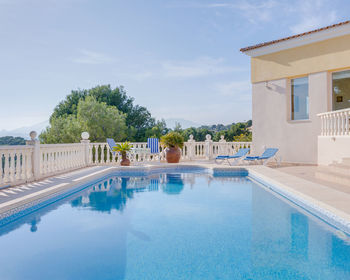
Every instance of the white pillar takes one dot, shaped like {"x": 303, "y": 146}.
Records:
{"x": 86, "y": 142}
{"x": 36, "y": 154}
{"x": 208, "y": 147}
{"x": 222, "y": 146}
{"x": 191, "y": 147}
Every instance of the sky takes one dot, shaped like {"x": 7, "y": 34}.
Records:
{"x": 179, "y": 58}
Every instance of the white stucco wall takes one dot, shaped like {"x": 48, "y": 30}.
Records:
{"x": 272, "y": 127}
{"x": 333, "y": 149}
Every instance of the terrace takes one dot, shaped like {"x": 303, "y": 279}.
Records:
{"x": 35, "y": 161}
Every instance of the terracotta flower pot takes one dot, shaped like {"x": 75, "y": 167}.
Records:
{"x": 172, "y": 155}
{"x": 125, "y": 161}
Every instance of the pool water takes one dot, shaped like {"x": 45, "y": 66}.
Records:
{"x": 173, "y": 226}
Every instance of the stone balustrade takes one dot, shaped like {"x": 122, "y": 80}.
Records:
{"x": 16, "y": 164}
{"x": 34, "y": 161}
{"x": 335, "y": 123}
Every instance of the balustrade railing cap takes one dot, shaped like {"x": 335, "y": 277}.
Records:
{"x": 333, "y": 112}
{"x": 33, "y": 135}
{"x": 85, "y": 135}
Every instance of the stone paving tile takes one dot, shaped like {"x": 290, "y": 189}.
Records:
{"x": 26, "y": 189}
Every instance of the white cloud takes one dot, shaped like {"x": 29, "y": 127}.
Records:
{"x": 199, "y": 67}
{"x": 253, "y": 11}
{"x": 92, "y": 57}
{"x": 309, "y": 14}
{"x": 238, "y": 89}
{"x": 314, "y": 14}
{"x": 196, "y": 68}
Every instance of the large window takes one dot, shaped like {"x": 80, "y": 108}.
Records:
{"x": 300, "y": 99}
{"x": 341, "y": 90}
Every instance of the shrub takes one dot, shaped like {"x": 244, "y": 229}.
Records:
{"x": 172, "y": 140}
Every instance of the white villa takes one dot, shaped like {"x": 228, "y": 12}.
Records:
{"x": 301, "y": 95}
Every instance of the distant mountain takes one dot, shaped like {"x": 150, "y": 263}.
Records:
{"x": 184, "y": 123}
{"x": 24, "y": 131}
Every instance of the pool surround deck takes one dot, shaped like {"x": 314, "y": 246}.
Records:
{"x": 327, "y": 203}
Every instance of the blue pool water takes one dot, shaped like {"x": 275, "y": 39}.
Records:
{"x": 173, "y": 226}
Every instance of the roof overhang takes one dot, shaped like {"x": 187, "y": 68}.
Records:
{"x": 306, "y": 38}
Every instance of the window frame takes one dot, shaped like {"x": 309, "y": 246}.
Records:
{"x": 290, "y": 100}
{"x": 331, "y": 99}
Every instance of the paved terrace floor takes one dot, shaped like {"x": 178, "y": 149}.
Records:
{"x": 298, "y": 180}
{"x": 309, "y": 173}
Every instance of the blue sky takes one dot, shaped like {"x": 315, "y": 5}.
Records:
{"x": 179, "y": 58}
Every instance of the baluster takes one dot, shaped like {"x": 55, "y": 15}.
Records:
{"x": 108, "y": 155}
{"x": 59, "y": 159}
{"x": 347, "y": 120}
{"x": 337, "y": 132}
{"x": 29, "y": 173}
{"x": 23, "y": 165}
{"x": 49, "y": 161}
{"x": 66, "y": 159}
{"x": 1, "y": 168}
{"x": 90, "y": 153}
{"x": 70, "y": 161}
{"x": 96, "y": 154}
{"x": 6, "y": 166}
{"x": 18, "y": 165}
{"x": 12, "y": 166}
{"x": 328, "y": 125}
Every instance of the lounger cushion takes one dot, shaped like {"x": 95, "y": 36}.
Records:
{"x": 251, "y": 158}
{"x": 222, "y": 157}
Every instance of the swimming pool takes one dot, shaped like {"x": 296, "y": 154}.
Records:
{"x": 173, "y": 225}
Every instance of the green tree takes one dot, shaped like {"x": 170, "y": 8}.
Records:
{"x": 10, "y": 140}
{"x": 158, "y": 130}
{"x": 178, "y": 127}
{"x": 188, "y": 131}
{"x": 65, "y": 129}
{"x": 137, "y": 118}
{"x": 99, "y": 119}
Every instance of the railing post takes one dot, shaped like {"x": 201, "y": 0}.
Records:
{"x": 222, "y": 146}
{"x": 208, "y": 147}
{"x": 36, "y": 154}
{"x": 86, "y": 142}
{"x": 191, "y": 147}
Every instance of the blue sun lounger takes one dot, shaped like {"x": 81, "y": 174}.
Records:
{"x": 267, "y": 154}
{"x": 111, "y": 143}
{"x": 153, "y": 145}
{"x": 237, "y": 156}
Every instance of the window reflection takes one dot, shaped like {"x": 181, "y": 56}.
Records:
{"x": 300, "y": 99}
{"x": 341, "y": 90}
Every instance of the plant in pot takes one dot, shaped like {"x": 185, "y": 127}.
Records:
{"x": 173, "y": 141}
{"x": 123, "y": 148}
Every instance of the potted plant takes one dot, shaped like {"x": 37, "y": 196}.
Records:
{"x": 123, "y": 148}
{"x": 173, "y": 141}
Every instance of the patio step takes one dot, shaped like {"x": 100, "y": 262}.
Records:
{"x": 346, "y": 161}
{"x": 336, "y": 173}
{"x": 340, "y": 168}
{"x": 333, "y": 178}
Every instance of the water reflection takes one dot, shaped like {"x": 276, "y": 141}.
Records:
{"x": 115, "y": 192}
{"x": 174, "y": 184}
{"x": 299, "y": 246}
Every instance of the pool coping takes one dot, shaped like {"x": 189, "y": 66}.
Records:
{"x": 293, "y": 188}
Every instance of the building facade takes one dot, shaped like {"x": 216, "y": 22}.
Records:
{"x": 301, "y": 95}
